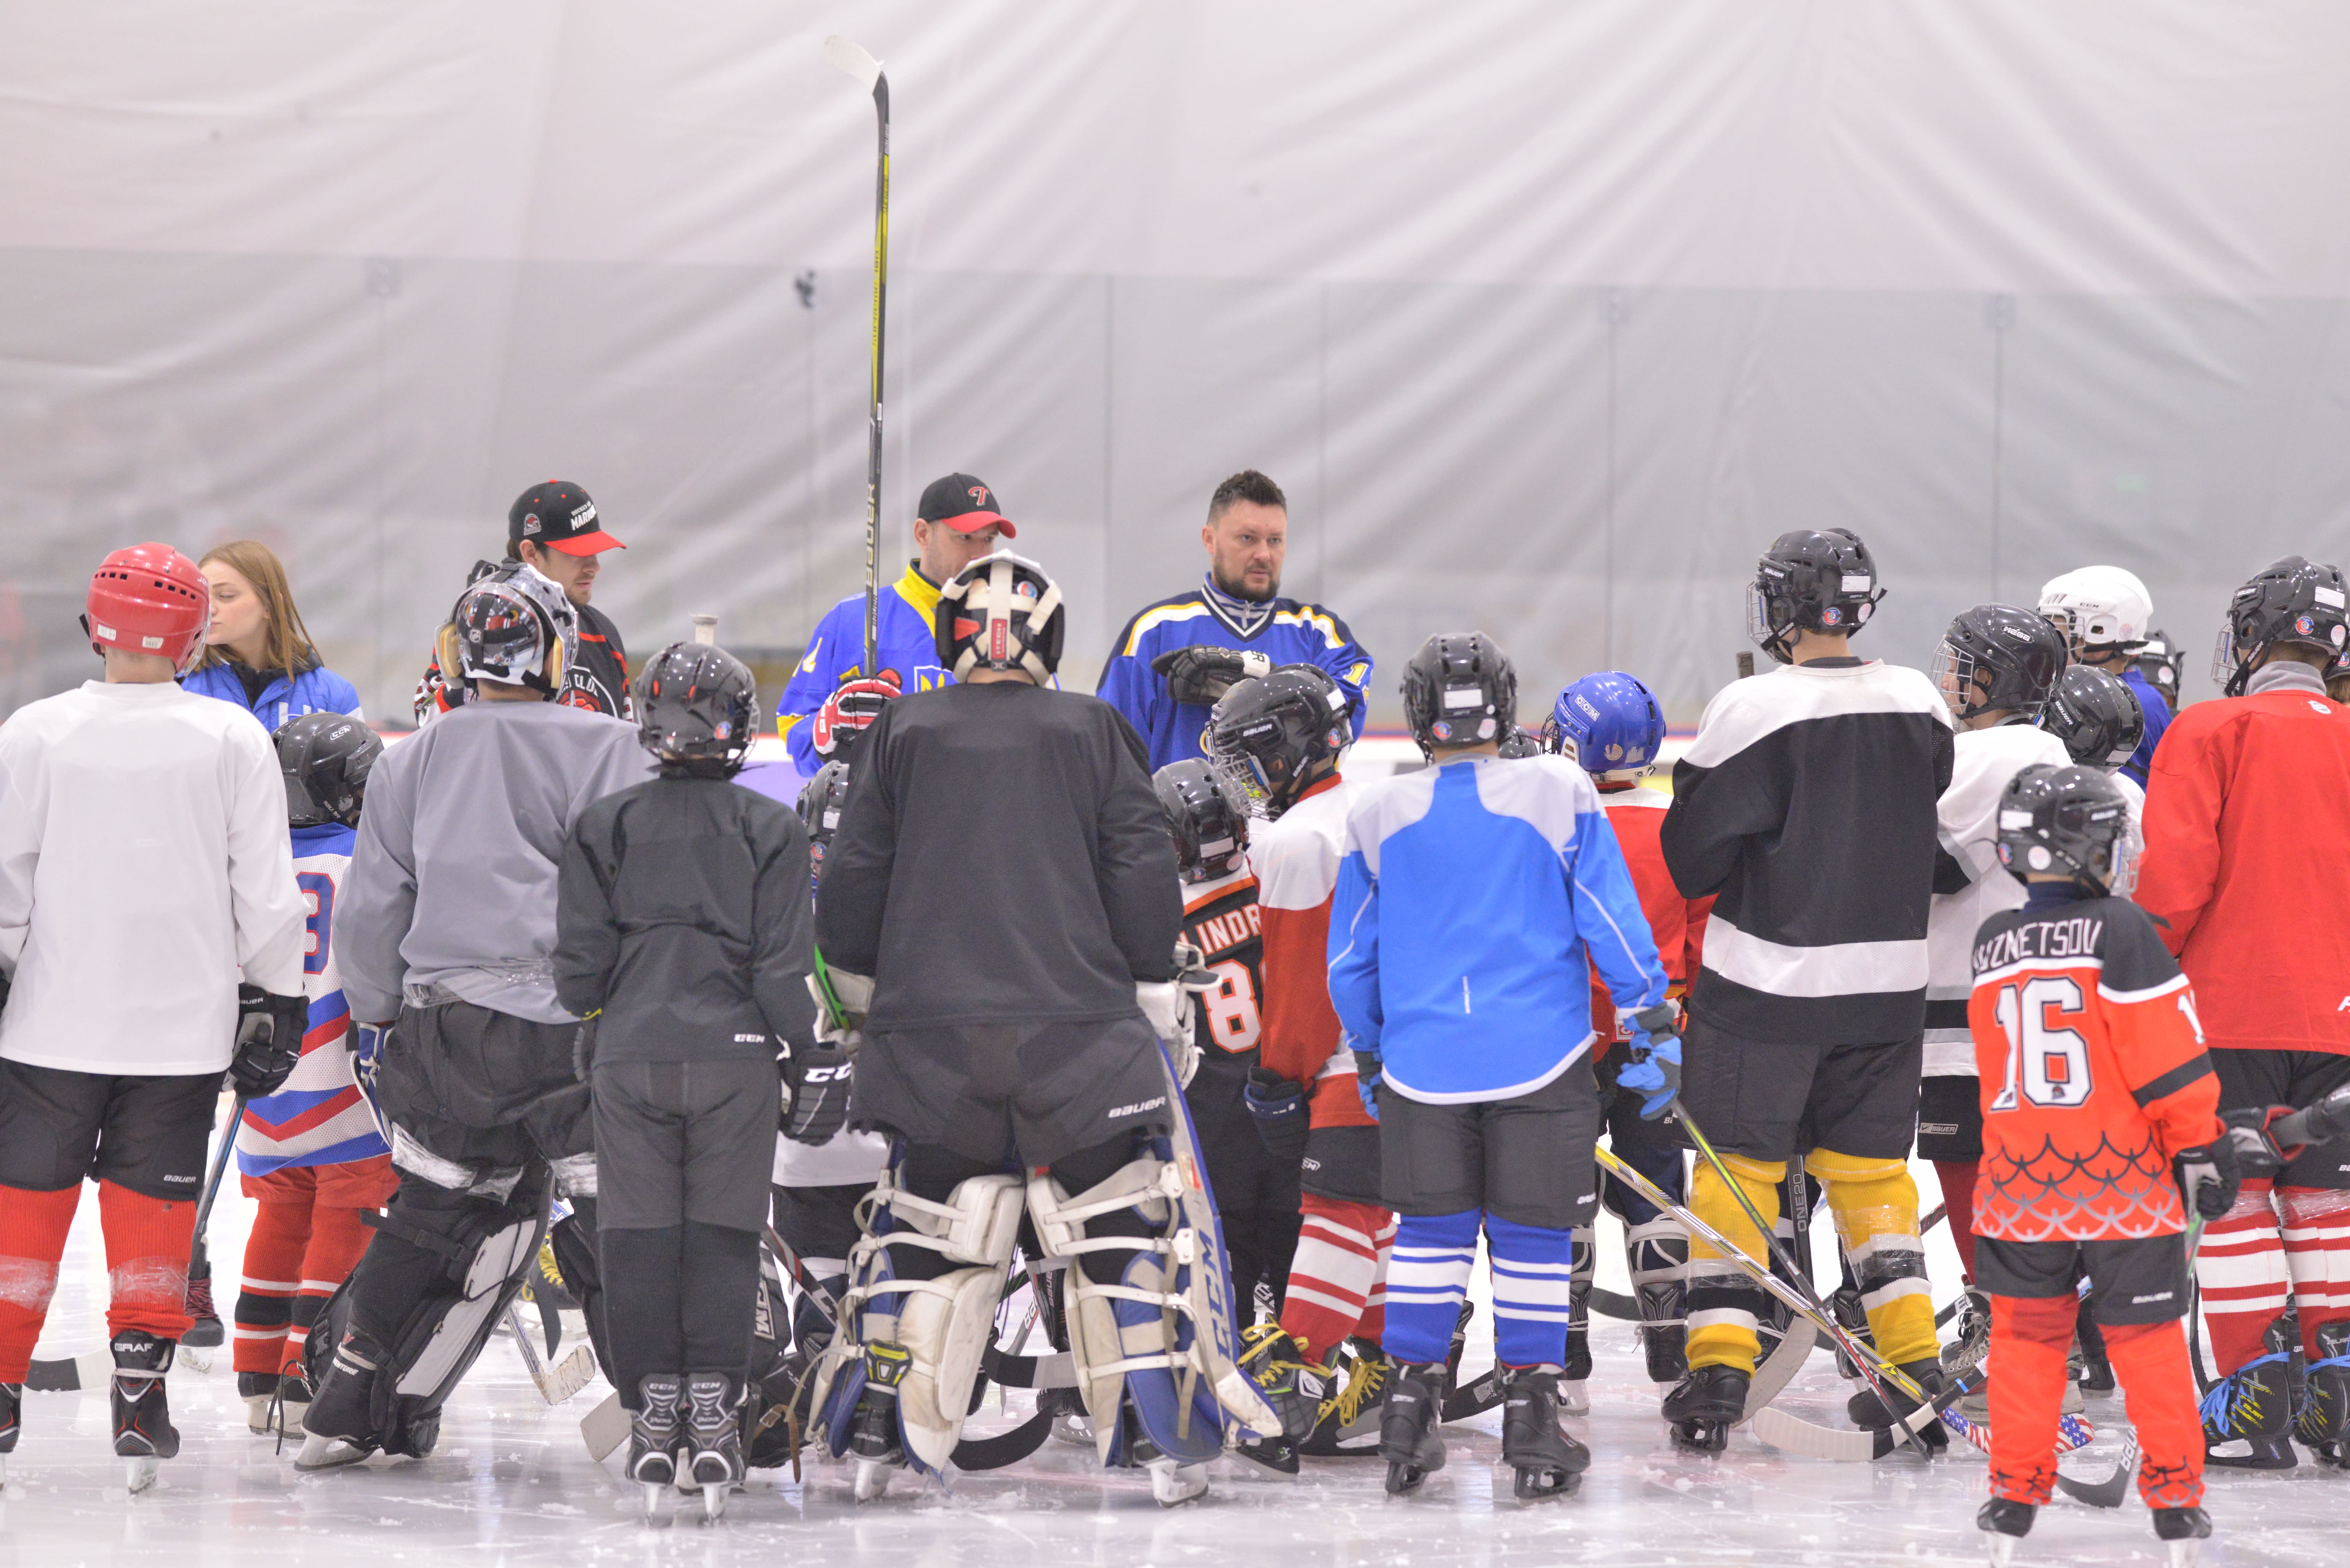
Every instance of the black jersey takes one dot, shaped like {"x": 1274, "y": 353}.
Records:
{"x": 1221, "y": 919}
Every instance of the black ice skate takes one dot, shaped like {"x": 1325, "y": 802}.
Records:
{"x": 143, "y": 1432}
{"x": 1844, "y": 1306}
{"x": 2324, "y": 1421}
{"x": 1409, "y": 1440}
{"x": 2248, "y": 1414}
{"x": 205, "y": 1333}
{"x": 654, "y": 1433}
{"x": 873, "y": 1441}
{"x": 1549, "y": 1463}
{"x": 713, "y": 1434}
{"x": 1867, "y": 1411}
{"x": 2095, "y": 1373}
{"x": 2006, "y": 1523}
{"x": 337, "y": 1429}
{"x": 1705, "y": 1405}
{"x": 1292, "y": 1386}
{"x": 1353, "y": 1418}
{"x": 2182, "y": 1532}
{"x": 12, "y": 1421}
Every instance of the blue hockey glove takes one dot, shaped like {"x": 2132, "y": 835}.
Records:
{"x": 1367, "y": 1080}
{"x": 1655, "y": 1073}
{"x": 1279, "y": 1107}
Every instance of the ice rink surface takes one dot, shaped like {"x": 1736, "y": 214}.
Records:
{"x": 512, "y": 1484}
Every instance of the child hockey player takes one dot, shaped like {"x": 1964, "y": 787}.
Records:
{"x": 683, "y": 931}
{"x": 142, "y": 832}
{"x": 311, "y": 1155}
{"x": 1610, "y": 726}
{"x": 2094, "y": 1085}
{"x": 2107, "y": 616}
{"x": 1469, "y": 895}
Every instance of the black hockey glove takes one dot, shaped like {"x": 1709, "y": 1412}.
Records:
{"x": 2208, "y": 1176}
{"x": 816, "y": 1077}
{"x": 1282, "y": 1118}
{"x": 1204, "y": 675}
{"x": 2251, "y": 1130}
{"x": 269, "y": 1030}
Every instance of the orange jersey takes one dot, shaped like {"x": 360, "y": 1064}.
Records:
{"x": 2094, "y": 1074}
{"x": 1637, "y": 816}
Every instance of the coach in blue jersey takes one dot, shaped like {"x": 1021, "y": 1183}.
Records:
{"x": 830, "y": 699}
{"x": 1177, "y": 656}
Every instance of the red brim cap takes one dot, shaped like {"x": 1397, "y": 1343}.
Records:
{"x": 973, "y": 522}
{"x": 594, "y": 543}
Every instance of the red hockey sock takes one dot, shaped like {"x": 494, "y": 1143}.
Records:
{"x": 2240, "y": 1271}
{"x": 1375, "y": 1305}
{"x": 1335, "y": 1273}
{"x": 2150, "y": 1361}
{"x": 147, "y": 1241}
{"x": 2317, "y": 1255}
{"x": 1957, "y": 1176}
{"x": 2031, "y": 1346}
{"x": 273, "y": 1274}
{"x": 337, "y": 1240}
{"x": 33, "y": 1227}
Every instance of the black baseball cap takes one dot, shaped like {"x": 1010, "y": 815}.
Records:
{"x": 964, "y": 505}
{"x": 559, "y": 516}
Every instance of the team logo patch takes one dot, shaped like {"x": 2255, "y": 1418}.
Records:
{"x": 1832, "y": 615}
{"x": 979, "y": 496}
{"x": 2306, "y": 625}
{"x": 1441, "y": 730}
{"x": 530, "y": 524}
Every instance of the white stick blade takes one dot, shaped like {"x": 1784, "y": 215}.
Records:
{"x": 847, "y": 57}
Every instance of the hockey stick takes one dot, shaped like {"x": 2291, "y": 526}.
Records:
{"x": 1624, "y": 1309}
{"x": 844, "y": 55}
{"x": 568, "y": 1377}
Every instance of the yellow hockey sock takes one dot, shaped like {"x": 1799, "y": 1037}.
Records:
{"x": 1876, "y": 1207}
{"x": 1723, "y": 1300}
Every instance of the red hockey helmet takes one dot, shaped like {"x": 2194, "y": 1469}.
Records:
{"x": 148, "y": 599}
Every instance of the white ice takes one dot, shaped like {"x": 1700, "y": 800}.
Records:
{"x": 512, "y": 1484}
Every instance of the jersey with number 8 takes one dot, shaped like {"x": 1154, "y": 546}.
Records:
{"x": 1221, "y": 920}
{"x": 2094, "y": 1074}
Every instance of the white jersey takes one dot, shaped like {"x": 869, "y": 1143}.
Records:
{"x": 143, "y": 859}
{"x": 850, "y": 1159}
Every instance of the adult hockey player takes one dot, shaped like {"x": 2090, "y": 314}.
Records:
{"x": 998, "y": 922}
{"x": 2161, "y": 661}
{"x": 2107, "y": 616}
{"x": 2095, "y": 1086}
{"x": 553, "y": 530}
{"x": 311, "y": 1155}
{"x": 1176, "y": 658}
{"x": 683, "y": 931}
{"x": 1475, "y": 899}
{"x": 1806, "y": 803}
{"x": 446, "y": 932}
{"x": 831, "y": 700}
{"x": 2248, "y": 833}
{"x": 1610, "y": 726}
{"x": 142, "y": 832}
{"x": 1278, "y": 739}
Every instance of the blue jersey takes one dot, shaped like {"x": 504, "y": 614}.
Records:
{"x": 1473, "y": 982}
{"x": 1292, "y": 633}
{"x": 903, "y": 642}
{"x": 2158, "y": 719}
{"x": 314, "y": 690}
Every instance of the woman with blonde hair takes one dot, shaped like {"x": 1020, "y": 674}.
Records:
{"x": 258, "y": 653}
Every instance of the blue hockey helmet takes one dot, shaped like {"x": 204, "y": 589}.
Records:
{"x": 1609, "y": 723}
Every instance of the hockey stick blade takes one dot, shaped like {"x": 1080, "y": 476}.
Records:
{"x": 90, "y": 1369}
{"x": 1624, "y": 1309}
{"x": 605, "y": 1427}
{"x": 2108, "y": 1493}
{"x": 850, "y": 59}
{"x": 1779, "y": 1368}
{"x": 1474, "y": 1398}
{"x": 1005, "y": 1448}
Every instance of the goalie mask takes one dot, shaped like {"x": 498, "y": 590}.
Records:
{"x": 1207, "y": 816}
{"x": 1001, "y": 612}
{"x": 699, "y": 705}
{"x": 513, "y": 626}
{"x": 2071, "y": 820}
{"x": 326, "y": 758}
{"x": 1460, "y": 690}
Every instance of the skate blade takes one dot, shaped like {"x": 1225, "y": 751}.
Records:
{"x": 1707, "y": 1437}
{"x": 327, "y": 1453}
{"x": 191, "y": 1355}
{"x": 659, "y": 1502}
{"x": 1279, "y": 1460}
{"x": 1403, "y": 1479}
{"x": 1575, "y": 1398}
{"x": 872, "y": 1479}
{"x": 713, "y": 1502}
{"x": 2001, "y": 1549}
{"x": 1171, "y": 1484}
{"x": 1544, "y": 1485}
{"x": 1074, "y": 1429}
{"x": 139, "y": 1472}
{"x": 2185, "y": 1553}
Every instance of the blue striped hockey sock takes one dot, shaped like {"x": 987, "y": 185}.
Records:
{"x": 1428, "y": 1273}
{"x": 1533, "y": 1269}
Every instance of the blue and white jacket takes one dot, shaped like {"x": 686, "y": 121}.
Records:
{"x": 1474, "y": 900}
{"x": 315, "y": 689}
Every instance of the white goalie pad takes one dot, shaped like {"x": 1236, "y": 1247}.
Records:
{"x": 467, "y": 1322}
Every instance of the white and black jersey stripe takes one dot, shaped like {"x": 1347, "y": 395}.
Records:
{"x": 1807, "y": 804}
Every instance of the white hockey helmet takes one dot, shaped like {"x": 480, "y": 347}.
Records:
{"x": 2099, "y": 606}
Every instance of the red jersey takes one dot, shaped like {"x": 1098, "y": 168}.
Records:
{"x": 2248, "y": 866}
{"x": 1221, "y": 920}
{"x": 1295, "y": 858}
{"x": 1637, "y": 816}
{"x": 2094, "y": 1074}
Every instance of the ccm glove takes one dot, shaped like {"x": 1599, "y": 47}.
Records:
{"x": 1281, "y": 1118}
{"x": 2208, "y": 1176}
{"x": 848, "y": 711}
{"x": 1205, "y": 674}
{"x": 269, "y": 1030}
{"x": 815, "y": 1085}
{"x": 1368, "y": 1067}
{"x": 1655, "y": 1073}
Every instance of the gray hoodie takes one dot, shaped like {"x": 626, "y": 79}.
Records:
{"x": 452, "y": 883}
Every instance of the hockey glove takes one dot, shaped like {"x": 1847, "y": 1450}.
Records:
{"x": 2207, "y": 1177}
{"x": 1205, "y": 674}
{"x": 1368, "y": 1070}
{"x": 1281, "y": 1118}
{"x": 816, "y": 1084}
{"x": 2251, "y": 1130}
{"x": 1655, "y": 1073}
{"x": 269, "y": 1031}
{"x": 1166, "y": 1004}
{"x": 848, "y": 711}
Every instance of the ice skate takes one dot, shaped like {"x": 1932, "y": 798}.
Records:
{"x": 1070, "y": 1423}
{"x": 335, "y": 1428}
{"x": 2248, "y": 1414}
{"x": 205, "y": 1333}
{"x": 1964, "y": 1356}
{"x": 654, "y": 1434}
{"x": 1171, "y": 1483}
{"x": 12, "y": 1421}
{"x": 1868, "y": 1410}
{"x": 1705, "y": 1405}
{"x": 1409, "y": 1440}
{"x": 2323, "y": 1423}
{"x": 1294, "y": 1386}
{"x": 1352, "y": 1418}
{"x": 2182, "y": 1532}
{"x": 1548, "y": 1462}
{"x": 1844, "y": 1305}
{"x": 2005, "y": 1522}
{"x": 713, "y": 1432}
{"x": 2092, "y": 1373}
{"x": 1575, "y": 1377}
{"x": 143, "y": 1433}
{"x": 1656, "y": 1256}
{"x": 873, "y": 1443}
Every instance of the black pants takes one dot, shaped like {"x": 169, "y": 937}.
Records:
{"x": 819, "y": 1224}
{"x": 1527, "y": 1161}
{"x": 1652, "y": 1148}
{"x": 1257, "y": 1197}
{"x": 145, "y": 1135}
{"x": 2251, "y": 1079}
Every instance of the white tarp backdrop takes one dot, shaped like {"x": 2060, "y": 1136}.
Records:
{"x": 1547, "y": 316}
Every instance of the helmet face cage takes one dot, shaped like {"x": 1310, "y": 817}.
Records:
{"x": 1821, "y": 581}
{"x": 1460, "y": 690}
{"x": 326, "y": 758}
{"x": 2070, "y": 819}
{"x": 1207, "y": 818}
{"x": 1003, "y": 613}
{"x": 2293, "y": 601}
{"x": 1265, "y": 735}
{"x": 1998, "y": 658}
{"x": 697, "y": 703}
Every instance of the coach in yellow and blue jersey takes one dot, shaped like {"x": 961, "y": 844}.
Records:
{"x": 1177, "y": 656}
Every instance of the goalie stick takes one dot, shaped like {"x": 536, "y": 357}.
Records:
{"x": 846, "y": 57}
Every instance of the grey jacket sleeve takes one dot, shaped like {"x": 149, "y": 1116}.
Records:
{"x": 587, "y": 934}
{"x": 377, "y": 903}
{"x": 1135, "y": 865}
{"x": 782, "y": 935}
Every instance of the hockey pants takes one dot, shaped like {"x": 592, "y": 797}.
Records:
{"x": 2031, "y": 1347}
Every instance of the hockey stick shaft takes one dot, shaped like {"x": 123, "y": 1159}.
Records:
{"x": 198, "y": 1255}
{"x": 846, "y": 57}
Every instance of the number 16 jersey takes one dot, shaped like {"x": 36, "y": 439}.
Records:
{"x": 2094, "y": 1072}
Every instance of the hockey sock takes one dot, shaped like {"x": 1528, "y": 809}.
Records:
{"x": 1722, "y": 1302}
{"x": 2149, "y": 1360}
{"x": 1533, "y": 1269}
{"x": 1876, "y": 1205}
{"x": 1375, "y": 1305}
{"x": 2032, "y": 1346}
{"x": 2317, "y": 1255}
{"x": 338, "y": 1236}
{"x": 2240, "y": 1271}
{"x": 1428, "y": 1274}
{"x": 33, "y": 1227}
{"x": 643, "y": 1303}
{"x": 1337, "y": 1268}
{"x": 147, "y": 1242}
{"x": 271, "y": 1279}
{"x": 719, "y": 1311}
{"x": 1958, "y": 1179}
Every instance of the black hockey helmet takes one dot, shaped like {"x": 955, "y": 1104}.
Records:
{"x": 1207, "y": 816}
{"x": 1460, "y": 690}
{"x": 820, "y": 801}
{"x": 2070, "y": 818}
{"x": 2293, "y": 601}
{"x": 699, "y": 705}
{"x": 1810, "y": 580}
{"x": 2096, "y": 715}
{"x": 1997, "y": 656}
{"x": 2160, "y": 661}
{"x": 326, "y": 758}
{"x": 1520, "y": 743}
{"x": 1001, "y": 612}
{"x": 1273, "y": 735}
